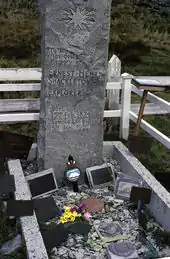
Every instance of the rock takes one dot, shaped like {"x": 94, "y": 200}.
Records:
{"x": 11, "y": 245}
{"x": 93, "y": 204}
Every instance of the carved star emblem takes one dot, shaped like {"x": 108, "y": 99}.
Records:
{"x": 79, "y": 18}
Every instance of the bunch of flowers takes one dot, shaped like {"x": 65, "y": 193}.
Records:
{"x": 71, "y": 214}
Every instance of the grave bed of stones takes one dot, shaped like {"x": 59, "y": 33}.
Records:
{"x": 155, "y": 243}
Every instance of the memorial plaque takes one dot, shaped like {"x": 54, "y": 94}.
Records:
{"x": 122, "y": 250}
{"x": 163, "y": 178}
{"x": 109, "y": 230}
{"x": 123, "y": 186}
{"x": 55, "y": 236}
{"x": 100, "y": 176}
{"x": 75, "y": 37}
{"x": 139, "y": 144}
{"x": 45, "y": 208}
{"x": 7, "y": 184}
{"x": 140, "y": 194}
{"x": 2, "y": 166}
{"x": 42, "y": 183}
{"x": 20, "y": 208}
{"x": 79, "y": 228}
{"x": 14, "y": 145}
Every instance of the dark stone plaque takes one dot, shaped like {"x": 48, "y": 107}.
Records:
{"x": 100, "y": 176}
{"x": 79, "y": 228}
{"x": 123, "y": 249}
{"x": 139, "y": 144}
{"x": 75, "y": 37}
{"x": 45, "y": 208}
{"x": 7, "y": 184}
{"x": 163, "y": 178}
{"x": 20, "y": 208}
{"x": 42, "y": 184}
{"x": 2, "y": 166}
{"x": 140, "y": 194}
{"x": 14, "y": 145}
{"x": 55, "y": 236}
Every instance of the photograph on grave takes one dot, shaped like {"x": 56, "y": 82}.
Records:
{"x": 7, "y": 184}
{"x": 100, "y": 176}
{"x": 42, "y": 183}
{"x": 123, "y": 186}
{"x": 20, "y": 208}
{"x": 75, "y": 37}
{"x": 45, "y": 208}
{"x": 14, "y": 145}
{"x": 72, "y": 173}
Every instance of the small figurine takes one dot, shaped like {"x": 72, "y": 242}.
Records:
{"x": 72, "y": 173}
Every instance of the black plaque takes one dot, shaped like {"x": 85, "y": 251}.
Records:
{"x": 20, "y": 208}
{"x": 55, "y": 236}
{"x": 42, "y": 184}
{"x": 139, "y": 144}
{"x": 45, "y": 208}
{"x": 7, "y": 184}
{"x": 14, "y": 145}
{"x": 163, "y": 178}
{"x": 79, "y": 228}
{"x": 102, "y": 175}
{"x": 2, "y": 166}
{"x": 140, "y": 194}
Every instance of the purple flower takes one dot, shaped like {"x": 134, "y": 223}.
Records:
{"x": 81, "y": 208}
{"x": 61, "y": 212}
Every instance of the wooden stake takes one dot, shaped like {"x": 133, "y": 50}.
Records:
{"x": 141, "y": 110}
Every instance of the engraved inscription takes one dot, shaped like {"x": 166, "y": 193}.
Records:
{"x": 64, "y": 119}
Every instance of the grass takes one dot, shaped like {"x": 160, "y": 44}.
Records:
{"x": 138, "y": 36}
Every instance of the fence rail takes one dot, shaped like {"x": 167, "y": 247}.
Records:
{"x": 29, "y": 80}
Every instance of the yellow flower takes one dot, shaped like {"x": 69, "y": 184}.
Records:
{"x": 72, "y": 218}
{"x": 78, "y": 215}
{"x": 62, "y": 220}
{"x": 67, "y": 209}
{"x": 74, "y": 213}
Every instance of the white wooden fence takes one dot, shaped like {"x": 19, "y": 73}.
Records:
{"x": 23, "y": 110}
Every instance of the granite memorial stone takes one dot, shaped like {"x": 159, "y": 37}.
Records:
{"x": 75, "y": 36}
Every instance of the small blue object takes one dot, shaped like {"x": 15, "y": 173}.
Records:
{"x": 73, "y": 174}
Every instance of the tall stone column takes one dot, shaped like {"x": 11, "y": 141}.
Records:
{"x": 75, "y": 37}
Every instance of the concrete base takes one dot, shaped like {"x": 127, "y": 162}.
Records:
{"x": 30, "y": 227}
{"x": 160, "y": 200}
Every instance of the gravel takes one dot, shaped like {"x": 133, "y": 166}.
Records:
{"x": 155, "y": 243}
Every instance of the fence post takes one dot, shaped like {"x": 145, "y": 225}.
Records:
{"x": 125, "y": 106}
{"x": 114, "y": 71}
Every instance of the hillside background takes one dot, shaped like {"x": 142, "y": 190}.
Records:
{"x": 139, "y": 36}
